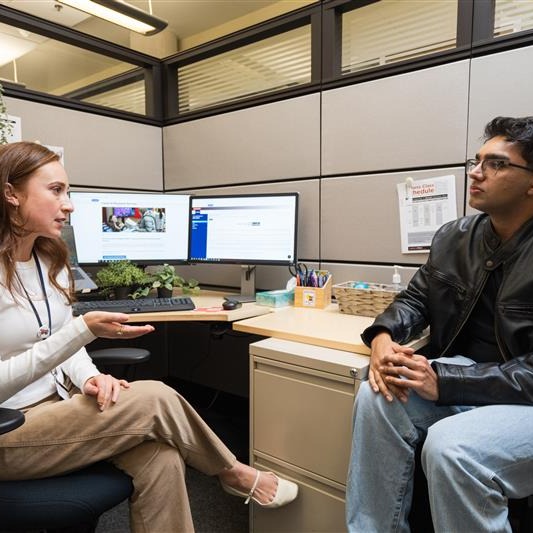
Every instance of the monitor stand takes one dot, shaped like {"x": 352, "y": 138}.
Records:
{"x": 247, "y": 286}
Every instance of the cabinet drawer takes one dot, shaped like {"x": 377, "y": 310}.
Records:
{"x": 303, "y": 417}
{"x": 318, "y": 507}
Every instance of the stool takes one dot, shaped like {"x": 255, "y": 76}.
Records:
{"x": 125, "y": 356}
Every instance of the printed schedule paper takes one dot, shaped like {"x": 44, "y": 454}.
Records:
{"x": 424, "y": 206}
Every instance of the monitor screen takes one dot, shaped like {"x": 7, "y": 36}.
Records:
{"x": 142, "y": 227}
{"x": 243, "y": 229}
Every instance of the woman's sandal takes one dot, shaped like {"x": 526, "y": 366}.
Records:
{"x": 286, "y": 492}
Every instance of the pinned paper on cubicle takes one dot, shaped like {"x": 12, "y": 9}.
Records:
{"x": 15, "y": 125}
{"x": 425, "y": 205}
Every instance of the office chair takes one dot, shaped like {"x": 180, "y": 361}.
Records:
{"x": 69, "y": 503}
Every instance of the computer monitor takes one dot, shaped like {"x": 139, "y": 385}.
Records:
{"x": 145, "y": 228}
{"x": 246, "y": 229}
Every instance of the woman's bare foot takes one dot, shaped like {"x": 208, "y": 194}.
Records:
{"x": 242, "y": 477}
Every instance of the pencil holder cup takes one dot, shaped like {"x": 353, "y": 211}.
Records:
{"x": 313, "y": 297}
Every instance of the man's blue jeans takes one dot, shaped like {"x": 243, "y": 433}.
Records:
{"x": 474, "y": 460}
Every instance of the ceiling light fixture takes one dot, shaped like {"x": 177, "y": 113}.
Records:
{"x": 120, "y": 13}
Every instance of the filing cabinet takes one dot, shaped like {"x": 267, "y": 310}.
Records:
{"x": 301, "y": 404}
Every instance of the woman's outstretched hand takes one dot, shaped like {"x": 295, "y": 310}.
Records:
{"x": 112, "y": 325}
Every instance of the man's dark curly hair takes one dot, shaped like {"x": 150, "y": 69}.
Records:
{"x": 515, "y": 130}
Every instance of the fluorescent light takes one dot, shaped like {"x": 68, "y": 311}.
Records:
{"x": 120, "y": 13}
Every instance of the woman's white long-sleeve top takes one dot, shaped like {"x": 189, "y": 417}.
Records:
{"x": 26, "y": 362}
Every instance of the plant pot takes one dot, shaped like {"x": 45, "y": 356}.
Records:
{"x": 163, "y": 292}
{"x": 121, "y": 293}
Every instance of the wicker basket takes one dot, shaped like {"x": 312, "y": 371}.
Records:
{"x": 366, "y": 299}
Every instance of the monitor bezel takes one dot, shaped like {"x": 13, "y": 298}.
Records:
{"x": 140, "y": 262}
{"x": 244, "y": 261}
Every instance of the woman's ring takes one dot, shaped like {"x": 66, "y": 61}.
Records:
{"x": 120, "y": 331}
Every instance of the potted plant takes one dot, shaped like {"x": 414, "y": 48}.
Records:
{"x": 166, "y": 278}
{"x": 5, "y": 125}
{"x": 122, "y": 277}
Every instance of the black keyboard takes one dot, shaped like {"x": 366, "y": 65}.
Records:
{"x": 141, "y": 305}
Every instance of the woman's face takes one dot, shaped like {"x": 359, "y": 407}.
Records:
{"x": 43, "y": 202}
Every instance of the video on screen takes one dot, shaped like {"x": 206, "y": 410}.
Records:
{"x": 133, "y": 219}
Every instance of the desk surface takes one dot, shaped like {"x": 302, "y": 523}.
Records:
{"x": 208, "y": 307}
{"x": 321, "y": 327}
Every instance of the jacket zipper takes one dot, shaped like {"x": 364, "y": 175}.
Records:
{"x": 474, "y": 301}
{"x": 502, "y": 348}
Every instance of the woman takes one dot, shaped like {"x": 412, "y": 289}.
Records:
{"x": 145, "y": 428}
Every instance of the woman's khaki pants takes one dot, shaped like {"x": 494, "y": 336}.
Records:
{"x": 150, "y": 433}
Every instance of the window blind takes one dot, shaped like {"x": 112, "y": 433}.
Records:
{"x": 271, "y": 64}
{"x": 130, "y": 98}
{"x": 390, "y": 31}
{"x": 512, "y": 16}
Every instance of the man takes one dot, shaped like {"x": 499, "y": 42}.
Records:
{"x": 471, "y": 403}
{"x": 147, "y": 222}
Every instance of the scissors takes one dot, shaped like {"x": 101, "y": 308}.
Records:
{"x": 300, "y": 272}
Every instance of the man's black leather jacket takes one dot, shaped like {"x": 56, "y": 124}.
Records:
{"x": 442, "y": 294}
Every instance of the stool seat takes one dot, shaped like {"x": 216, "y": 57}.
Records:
{"x": 120, "y": 356}
{"x": 125, "y": 356}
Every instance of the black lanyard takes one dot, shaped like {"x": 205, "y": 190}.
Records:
{"x": 44, "y": 331}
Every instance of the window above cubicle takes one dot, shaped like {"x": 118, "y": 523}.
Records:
{"x": 50, "y": 66}
{"x": 389, "y": 31}
{"x": 511, "y": 16}
{"x": 278, "y": 62}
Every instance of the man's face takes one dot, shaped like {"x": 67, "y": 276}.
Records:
{"x": 503, "y": 191}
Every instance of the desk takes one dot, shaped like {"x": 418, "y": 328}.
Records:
{"x": 208, "y": 308}
{"x": 303, "y": 383}
{"x": 321, "y": 327}
{"x": 196, "y": 346}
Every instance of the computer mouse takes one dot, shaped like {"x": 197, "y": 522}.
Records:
{"x": 230, "y": 305}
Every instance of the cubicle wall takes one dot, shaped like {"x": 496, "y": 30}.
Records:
{"x": 264, "y": 143}
{"x": 373, "y": 135}
{"x": 344, "y": 150}
{"x": 99, "y": 151}
{"x": 413, "y": 120}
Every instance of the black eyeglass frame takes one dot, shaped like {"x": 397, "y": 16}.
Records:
{"x": 506, "y": 163}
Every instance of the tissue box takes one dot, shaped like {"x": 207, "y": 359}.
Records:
{"x": 280, "y": 298}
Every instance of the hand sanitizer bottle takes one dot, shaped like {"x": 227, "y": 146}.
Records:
{"x": 397, "y": 279}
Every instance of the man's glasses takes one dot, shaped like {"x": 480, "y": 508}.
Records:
{"x": 492, "y": 166}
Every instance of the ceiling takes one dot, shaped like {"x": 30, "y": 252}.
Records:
{"x": 54, "y": 67}
{"x": 190, "y": 22}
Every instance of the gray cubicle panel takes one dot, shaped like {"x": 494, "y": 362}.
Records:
{"x": 99, "y": 151}
{"x": 268, "y": 142}
{"x": 266, "y": 277}
{"x": 416, "y": 119}
{"x": 500, "y": 85}
{"x": 360, "y": 216}
{"x": 308, "y": 231}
